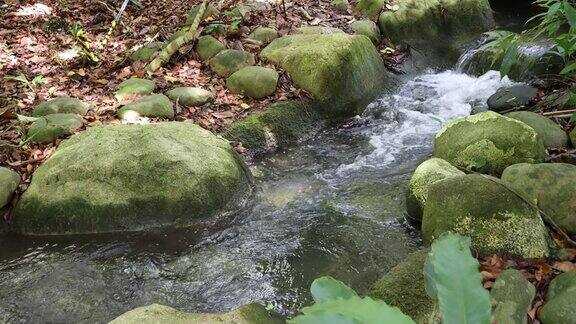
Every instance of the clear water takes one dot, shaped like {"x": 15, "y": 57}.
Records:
{"x": 333, "y": 205}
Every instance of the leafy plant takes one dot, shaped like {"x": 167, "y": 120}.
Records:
{"x": 81, "y": 38}
{"x": 452, "y": 279}
{"x": 33, "y": 84}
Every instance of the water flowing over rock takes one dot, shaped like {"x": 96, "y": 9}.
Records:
{"x": 552, "y": 186}
{"x": 498, "y": 220}
{"x": 132, "y": 178}
{"x": 342, "y": 72}
{"x": 488, "y": 142}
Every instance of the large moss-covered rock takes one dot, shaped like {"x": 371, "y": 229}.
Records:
{"x": 281, "y": 125}
{"x": 344, "y": 73}
{"x": 48, "y": 128}
{"x": 149, "y": 106}
{"x": 341, "y": 5}
{"x": 367, "y": 28}
{"x": 61, "y": 105}
{"x": 516, "y": 96}
{"x": 560, "y": 297}
{"x": 497, "y": 219}
{"x": 9, "y": 181}
{"x": 318, "y": 30}
{"x": 488, "y": 142}
{"x": 370, "y": 8}
{"x": 404, "y": 287}
{"x": 512, "y": 296}
{"x": 207, "y": 47}
{"x": 130, "y": 178}
{"x": 153, "y": 314}
{"x": 437, "y": 28}
{"x": 552, "y": 186}
{"x": 552, "y": 134}
{"x": 191, "y": 96}
{"x": 426, "y": 174}
{"x": 253, "y": 81}
{"x": 230, "y": 60}
{"x": 264, "y": 35}
{"x": 133, "y": 87}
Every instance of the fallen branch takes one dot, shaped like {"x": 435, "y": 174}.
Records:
{"x": 559, "y": 112}
{"x": 190, "y": 34}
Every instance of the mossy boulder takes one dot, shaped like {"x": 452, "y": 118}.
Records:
{"x": 9, "y": 181}
{"x": 48, "y": 128}
{"x": 341, "y": 5}
{"x": 253, "y": 81}
{"x": 560, "y": 297}
{"x": 573, "y": 137}
{"x": 61, "y": 105}
{"x": 190, "y": 96}
{"x": 552, "y": 134}
{"x": 264, "y": 35}
{"x": 507, "y": 98}
{"x": 370, "y": 8}
{"x": 498, "y": 220}
{"x": 552, "y": 186}
{"x": 318, "y": 30}
{"x": 130, "y": 178}
{"x": 281, "y": 125}
{"x": 488, "y": 142}
{"x": 157, "y": 105}
{"x": 229, "y": 61}
{"x": 211, "y": 11}
{"x": 342, "y": 72}
{"x": 133, "y": 87}
{"x": 404, "y": 287}
{"x": 367, "y": 28}
{"x": 512, "y": 296}
{"x": 145, "y": 53}
{"x": 152, "y": 314}
{"x": 426, "y": 174}
{"x": 207, "y": 47}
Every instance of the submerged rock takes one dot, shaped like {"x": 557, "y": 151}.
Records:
{"x": 552, "y": 186}
{"x": 51, "y": 127}
{"x": 61, "y": 105}
{"x": 560, "y": 297}
{"x": 190, "y": 96}
{"x": 152, "y": 314}
{"x": 264, "y": 35}
{"x": 552, "y": 134}
{"x": 427, "y": 174}
{"x": 344, "y": 73}
{"x": 367, "y": 28}
{"x": 404, "y": 287}
{"x": 512, "y": 97}
{"x": 488, "y": 142}
{"x": 230, "y": 60}
{"x": 512, "y": 296}
{"x": 482, "y": 207}
{"x": 130, "y": 178}
{"x": 253, "y": 81}
{"x": 133, "y": 86}
{"x": 9, "y": 181}
{"x": 207, "y": 47}
{"x": 157, "y": 105}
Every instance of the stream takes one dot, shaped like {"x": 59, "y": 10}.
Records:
{"x": 334, "y": 205}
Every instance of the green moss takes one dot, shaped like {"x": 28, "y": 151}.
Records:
{"x": 512, "y": 296}
{"x": 150, "y": 106}
{"x": 370, "y": 8}
{"x": 145, "y": 53}
{"x": 253, "y": 81}
{"x": 131, "y": 178}
{"x": 51, "y": 127}
{"x": 249, "y": 131}
{"x": 404, "y": 287}
{"x": 550, "y": 186}
{"x": 264, "y": 35}
{"x": 367, "y": 28}
{"x": 482, "y": 207}
{"x": 207, "y": 47}
{"x": 229, "y": 61}
{"x": 573, "y": 137}
{"x": 344, "y": 73}
{"x": 61, "y": 105}
{"x": 211, "y": 11}
{"x": 489, "y": 141}
{"x": 134, "y": 86}
{"x": 551, "y": 133}
{"x": 9, "y": 181}
{"x": 318, "y": 30}
{"x": 559, "y": 306}
{"x": 190, "y": 96}
{"x": 341, "y": 5}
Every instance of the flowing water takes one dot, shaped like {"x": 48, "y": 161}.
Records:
{"x": 333, "y": 205}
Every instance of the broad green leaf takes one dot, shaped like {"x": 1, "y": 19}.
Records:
{"x": 569, "y": 68}
{"x": 26, "y": 119}
{"x": 353, "y": 310}
{"x": 570, "y": 13}
{"x": 327, "y": 288}
{"x": 21, "y": 78}
{"x": 509, "y": 59}
{"x": 454, "y": 274}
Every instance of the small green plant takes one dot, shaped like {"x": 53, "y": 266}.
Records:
{"x": 33, "y": 84}
{"x": 81, "y": 38}
{"x": 452, "y": 279}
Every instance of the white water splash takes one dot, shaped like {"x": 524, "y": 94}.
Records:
{"x": 407, "y": 121}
